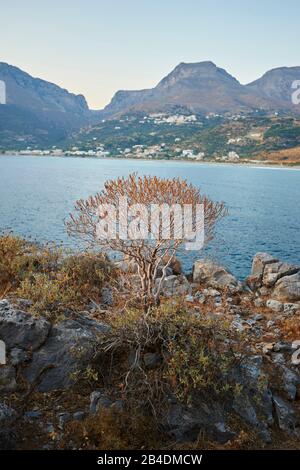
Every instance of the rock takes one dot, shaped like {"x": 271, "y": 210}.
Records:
{"x": 210, "y": 273}
{"x": 238, "y": 324}
{"x": 151, "y": 360}
{"x": 253, "y": 282}
{"x": 267, "y": 347}
{"x": 66, "y": 353}
{"x": 107, "y": 296}
{"x": 174, "y": 285}
{"x": 185, "y": 423}
{"x": 290, "y": 308}
{"x": 7, "y": 379}
{"x": 275, "y": 271}
{"x": 168, "y": 272}
{"x": 79, "y": 415}
{"x": 63, "y": 418}
{"x": 18, "y": 356}
{"x": 288, "y": 288}
{"x": 259, "y": 262}
{"x": 33, "y": 414}
{"x": 285, "y": 415}
{"x": 21, "y": 330}
{"x": 98, "y": 400}
{"x": 275, "y": 305}
{"x": 291, "y": 380}
{"x": 282, "y": 346}
{"x": 258, "y": 317}
{"x": 7, "y": 414}
{"x": 278, "y": 358}
{"x": 259, "y": 302}
{"x": 7, "y": 435}
{"x": 211, "y": 293}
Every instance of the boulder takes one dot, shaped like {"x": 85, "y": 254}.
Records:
{"x": 285, "y": 415}
{"x": 275, "y": 271}
{"x": 66, "y": 353}
{"x": 274, "y": 305}
{"x": 21, "y": 330}
{"x": 174, "y": 285}
{"x": 213, "y": 275}
{"x": 288, "y": 288}
{"x": 259, "y": 262}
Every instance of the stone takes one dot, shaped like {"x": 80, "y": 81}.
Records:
{"x": 7, "y": 414}
{"x": 67, "y": 352}
{"x": 291, "y": 380}
{"x": 275, "y": 271}
{"x": 107, "y": 296}
{"x": 211, "y": 292}
{"x": 285, "y": 415}
{"x": 288, "y": 288}
{"x": 267, "y": 347}
{"x": 259, "y": 262}
{"x": 7, "y": 435}
{"x": 253, "y": 282}
{"x": 174, "y": 285}
{"x": 185, "y": 423}
{"x": 63, "y": 418}
{"x": 259, "y": 302}
{"x": 21, "y": 330}
{"x": 79, "y": 415}
{"x": 214, "y": 275}
{"x": 274, "y": 305}
{"x": 99, "y": 400}
{"x": 290, "y": 308}
{"x": 18, "y": 356}
{"x": 7, "y": 379}
{"x": 33, "y": 414}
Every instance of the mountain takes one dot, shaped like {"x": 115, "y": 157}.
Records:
{"x": 37, "y": 111}
{"x": 276, "y": 86}
{"x": 199, "y": 87}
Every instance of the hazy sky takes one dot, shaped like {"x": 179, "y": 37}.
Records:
{"x": 97, "y": 47}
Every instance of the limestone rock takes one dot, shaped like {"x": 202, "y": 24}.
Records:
{"x": 210, "y": 273}
{"x": 66, "y": 353}
{"x": 21, "y": 330}
{"x": 288, "y": 288}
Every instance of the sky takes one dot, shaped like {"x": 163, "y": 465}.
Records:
{"x": 96, "y": 47}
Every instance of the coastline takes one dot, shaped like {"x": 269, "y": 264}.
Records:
{"x": 259, "y": 165}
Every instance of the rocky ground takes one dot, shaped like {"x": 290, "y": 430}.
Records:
{"x": 43, "y": 391}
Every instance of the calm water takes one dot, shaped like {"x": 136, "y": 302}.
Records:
{"x": 37, "y": 194}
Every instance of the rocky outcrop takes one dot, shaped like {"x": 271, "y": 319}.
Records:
{"x": 209, "y": 273}
{"x": 52, "y": 356}
{"x": 21, "y": 330}
{"x": 288, "y": 288}
{"x": 280, "y": 280}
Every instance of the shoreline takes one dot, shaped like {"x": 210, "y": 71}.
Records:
{"x": 259, "y": 165}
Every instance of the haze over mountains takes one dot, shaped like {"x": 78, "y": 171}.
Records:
{"x": 39, "y": 111}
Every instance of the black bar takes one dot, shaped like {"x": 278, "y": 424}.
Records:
{"x": 137, "y": 459}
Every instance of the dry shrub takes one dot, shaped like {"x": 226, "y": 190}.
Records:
{"x": 51, "y": 278}
{"x": 112, "y": 429}
{"x": 290, "y": 328}
{"x": 75, "y": 281}
{"x": 194, "y": 354}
